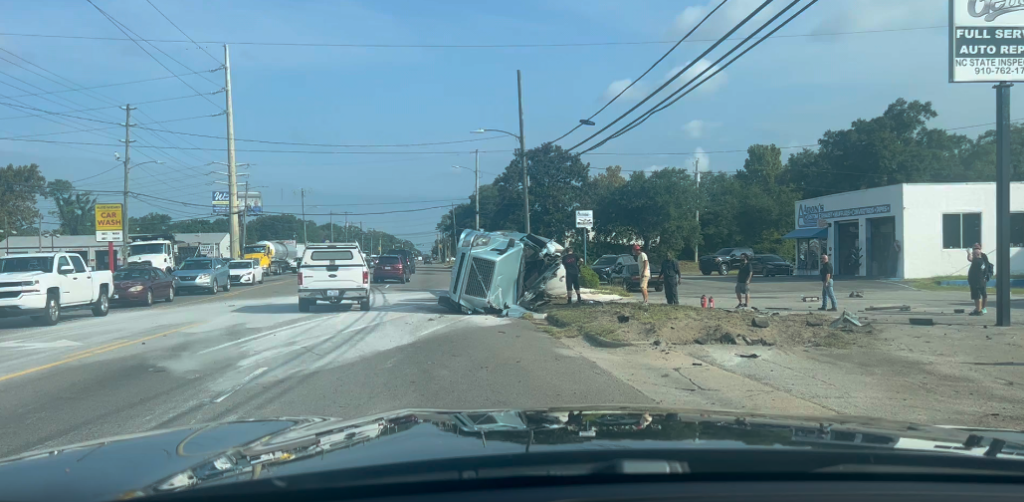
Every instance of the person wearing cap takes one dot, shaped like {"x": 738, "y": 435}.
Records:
{"x": 645, "y": 269}
{"x": 743, "y": 277}
{"x": 977, "y": 277}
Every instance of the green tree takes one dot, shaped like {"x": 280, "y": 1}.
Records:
{"x": 200, "y": 225}
{"x": 74, "y": 209}
{"x": 152, "y": 223}
{"x": 656, "y": 208}
{"x": 19, "y": 187}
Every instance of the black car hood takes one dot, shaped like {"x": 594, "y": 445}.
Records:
{"x": 179, "y": 459}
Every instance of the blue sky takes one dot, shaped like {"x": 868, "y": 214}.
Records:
{"x": 787, "y": 91}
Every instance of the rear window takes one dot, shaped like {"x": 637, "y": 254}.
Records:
{"x": 330, "y": 255}
{"x": 388, "y": 260}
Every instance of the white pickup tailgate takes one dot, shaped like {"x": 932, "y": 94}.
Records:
{"x": 332, "y": 268}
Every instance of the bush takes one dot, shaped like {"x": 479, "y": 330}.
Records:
{"x": 589, "y": 278}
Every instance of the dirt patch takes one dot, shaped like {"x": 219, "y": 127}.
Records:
{"x": 683, "y": 325}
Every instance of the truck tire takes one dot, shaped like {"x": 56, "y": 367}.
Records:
{"x": 364, "y": 305}
{"x": 102, "y": 306}
{"x": 52, "y": 312}
{"x": 304, "y": 305}
{"x": 723, "y": 269}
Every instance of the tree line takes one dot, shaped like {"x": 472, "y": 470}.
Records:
{"x": 752, "y": 207}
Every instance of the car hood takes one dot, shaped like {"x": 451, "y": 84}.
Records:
{"x": 239, "y": 451}
{"x": 178, "y": 273}
{"x": 21, "y": 276}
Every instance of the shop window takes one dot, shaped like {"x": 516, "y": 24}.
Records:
{"x": 1017, "y": 230}
{"x": 960, "y": 231}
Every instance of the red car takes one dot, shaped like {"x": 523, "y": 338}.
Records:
{"x": 142, "y": 284}
{"x": 391, "y": 267}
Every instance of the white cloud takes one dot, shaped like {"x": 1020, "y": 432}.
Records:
{"x": 617, "y": 86}
{"x": 711, "y": 85}
{"x": 701, "y": 158}
{"x": 878, "y": 15}
{"x": 694, "y": 128}
{"x": 722, "y": 21}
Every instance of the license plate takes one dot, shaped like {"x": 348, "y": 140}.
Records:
{"x": 387, "y": 268}
{"x": 333, "y": 292}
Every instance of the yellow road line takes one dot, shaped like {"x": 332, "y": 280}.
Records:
{"x": 90, "y": 353}
{"x": 86, "y": 351}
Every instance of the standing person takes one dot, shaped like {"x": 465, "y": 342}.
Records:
{"x": 827, "y": 293}
{"x": 571, "y": 262}
{"x": 645, "y": 269}
{"x": 977, "y": 277}
{"x": 743, "y": 278}
{"x": 670, "y": 277}
{"x": 894, "y": 260}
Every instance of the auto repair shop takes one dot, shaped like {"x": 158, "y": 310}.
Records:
{"x": 906, "y": 231}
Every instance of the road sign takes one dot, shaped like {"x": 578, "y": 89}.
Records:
{"x": 221, "y": 201}
{"x": 109, "y": 224}
{"x": 585, "y": 219}
{"x": 986, "y": 41}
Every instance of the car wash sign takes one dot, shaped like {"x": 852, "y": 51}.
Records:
{"x": 986, "y": 40}
{"x": 109, "y": 222}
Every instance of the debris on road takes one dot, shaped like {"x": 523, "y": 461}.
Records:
{"x": 922, "y": 321}
{"x": 623, "y": 318}
{"x": 749, "y": 356}
{"x": 760, "y": 322}
{"x": 902, "y": 308}
{"x": 806, "y": 299}
{"x": 856, "y": 294}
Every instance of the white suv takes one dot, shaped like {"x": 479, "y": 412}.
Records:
{"x": 333, "y": 273}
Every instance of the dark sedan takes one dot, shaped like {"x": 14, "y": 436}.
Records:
{"x": 770, "y": 265}
{"x": 142, "y": 285}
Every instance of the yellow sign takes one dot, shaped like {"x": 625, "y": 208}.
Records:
{"x": 108, "y": 217}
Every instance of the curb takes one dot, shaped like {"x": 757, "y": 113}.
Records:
{"x": 606, "y": 343}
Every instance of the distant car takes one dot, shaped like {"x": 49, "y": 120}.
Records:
{"x": 245, "y": 272}
{"x": 604, "y": 265}
{"x": 142, "y": 285}
{"x": 391, "y": 268}
{"x": 333, "y": 273}
{"x": 770, "y": 265}
{"x": 206, "y": 274}
{"x": 410, "y": 259}
{"x": 723, "y": 260}
{"x": 628, "y": 276}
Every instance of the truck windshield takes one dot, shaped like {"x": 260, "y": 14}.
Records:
{"x": 196, "y": 265}
{"x": 255, "y": 249}
{"x": 137, "y": 249}
{"x": 26, "y": 264}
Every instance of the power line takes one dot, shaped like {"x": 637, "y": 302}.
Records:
{"x": 115, "y": 85}
{"x": 459, "y": 46}
{"x": 678, "y": 74}
{"x": 117, "y": 24}
{"x": 644, "y": 74}
{"x": 181, "y": 31}
{"x": 662, "y": 106}
{"x": 456, "y": 152}
{"x": 330, "y": 145}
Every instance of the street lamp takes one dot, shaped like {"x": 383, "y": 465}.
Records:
{"x": 522, "y": 151}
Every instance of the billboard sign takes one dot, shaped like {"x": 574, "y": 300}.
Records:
{"x": 585, "y": 219}
{"x": 222, "y": 201}
{"x": 986, "y": 41}
{"x": 109, "y": 222}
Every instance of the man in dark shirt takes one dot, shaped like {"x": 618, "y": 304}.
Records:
{"x": 743, "y": 278}
{"x": 670, "y": 278}
{"x": 827, "y": 293}
{"x": 571, "y": 262}
{"x": 977, "y": 279}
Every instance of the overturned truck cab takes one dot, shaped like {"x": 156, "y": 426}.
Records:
{"x": 501, "y": 272}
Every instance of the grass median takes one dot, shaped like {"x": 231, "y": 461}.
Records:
{"x": 637, "y": 323}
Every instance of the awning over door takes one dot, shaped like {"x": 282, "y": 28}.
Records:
{"x": 807, "y": 233}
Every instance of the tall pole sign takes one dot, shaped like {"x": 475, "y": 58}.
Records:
{"x": 986, "y": 44}
{"x": 109, "y": 227}
{"x": 585, "y": 220}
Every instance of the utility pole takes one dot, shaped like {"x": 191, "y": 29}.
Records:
{"x": 1003, "y": 159}
{"x": 522, "y": 151}
{"x": 346, "y": 226}
{"x": 477, "y": 190}
{"x": 232, "y": 183}
{"x": 40, "y": 232}
{"x": 302, "y": 191}
{"x": 455, "y": 242}
{"x": 332, "y": 225}
{"x": 127, "y": 159}
{"x": 696, "y": 174}
{"x": 245, "y": 215}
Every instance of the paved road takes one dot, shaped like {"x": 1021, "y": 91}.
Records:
{"x": 251, "y": 354}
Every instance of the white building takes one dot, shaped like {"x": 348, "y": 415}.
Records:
{"x": 911, "y": 230}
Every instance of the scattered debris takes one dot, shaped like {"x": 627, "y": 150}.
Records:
{"x": 760, "y": 322}
{"x": 847, "y": 319}
{"x": 806, "y": 299}
{"x": 815, "y": 322}
{"x": 902, "y": 308}
{"x": 958, "y": 311}
{"x": 856, "y": 294}
{"x": 922, "y": 321}
{"x": 777, "y": 308}
{"x": 751, "y": 355}
{"x": 697, "y": 364}
{"x": 656, "y": 343}
{"x": 623, "y": 319}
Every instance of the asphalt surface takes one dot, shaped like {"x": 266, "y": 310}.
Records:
{"x": 251, "y": 354}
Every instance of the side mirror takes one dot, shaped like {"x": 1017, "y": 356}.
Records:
{"x": 66, "y": 270}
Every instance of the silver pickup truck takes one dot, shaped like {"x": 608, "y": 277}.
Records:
{"x": 43, "y": 285}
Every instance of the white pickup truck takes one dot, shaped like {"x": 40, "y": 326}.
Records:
{"x": 42, "y": 285}
{"x": 333, "y": 273}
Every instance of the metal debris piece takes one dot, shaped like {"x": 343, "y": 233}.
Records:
{"x": 806, "y": 299}
{"x": 904, "y": 308}
{"x": 856, "y": 294}
{"x": 922, "y": 321}
{"x": 749, "y": 356}
{"x": 623, "y": 319}
{"x": 760, "y": 322}
{"x": 958, "y": 311}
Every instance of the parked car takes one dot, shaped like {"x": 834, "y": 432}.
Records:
{"x": 43, "y": 285}
{"x": 143, "y": 284}
{"x": 245, "y": 272}
{"x": 205, "y": 274}
{"x": 770, "y": 265}
{"x": 723, "y": 260}
{"x": 333, "y": 273}
{"x": 605, "y": 264}
{"x": 410, "y": 259}
{"x": 391, "y": 268}
{"x": 628, "y": 276}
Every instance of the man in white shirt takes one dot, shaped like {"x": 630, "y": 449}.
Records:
{"x": 645, "y": 269}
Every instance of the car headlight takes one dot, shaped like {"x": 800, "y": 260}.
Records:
{"x": 135, "y": 288}
{"x": 203, "y": 277}
{"x": 30, "y": 283}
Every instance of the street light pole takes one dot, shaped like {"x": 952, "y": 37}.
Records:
{"x": 477, "y": 190}
{"x": 522, "y": 151}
